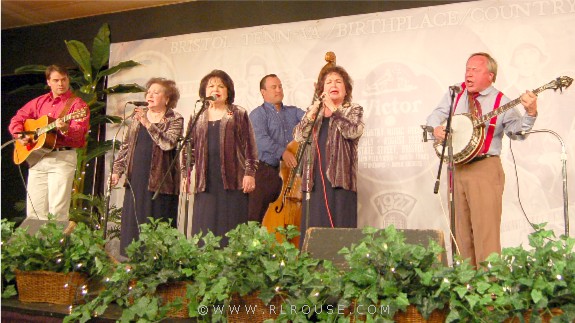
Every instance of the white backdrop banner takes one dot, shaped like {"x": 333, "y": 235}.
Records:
{"x": 402, "y": 62}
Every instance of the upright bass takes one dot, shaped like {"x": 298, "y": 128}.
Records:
{"x": 286, "y": 209}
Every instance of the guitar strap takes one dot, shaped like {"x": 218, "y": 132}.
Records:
{"x": 67, "y": 106}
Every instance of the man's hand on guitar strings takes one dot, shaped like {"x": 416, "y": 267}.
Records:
{"x": 62, "y": 126}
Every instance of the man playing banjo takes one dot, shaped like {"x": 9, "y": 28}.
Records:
{"x": 479, "y": 177}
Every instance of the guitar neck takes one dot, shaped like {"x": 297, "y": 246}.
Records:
{"x": 52, "y": 125}
{"x": 486, "y": 117}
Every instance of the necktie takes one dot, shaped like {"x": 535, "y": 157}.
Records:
{"x": 474, "y": 105}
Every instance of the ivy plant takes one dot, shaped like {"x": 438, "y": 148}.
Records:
{"x": 387, "y": 271}
{"x": 53, "y": 249}
{"x": 536, "y": 280}
{"x": 161, "y": 255}
{"x": 255, "y": 262}
{"x": 8, "y": 287}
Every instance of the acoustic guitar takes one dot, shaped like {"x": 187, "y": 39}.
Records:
{"x": 42, "y": 138}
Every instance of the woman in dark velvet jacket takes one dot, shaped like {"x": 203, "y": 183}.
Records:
{"x": 224, "y": 154}
{"x": 148, "y": 148}
{"x": 331, "y": 176}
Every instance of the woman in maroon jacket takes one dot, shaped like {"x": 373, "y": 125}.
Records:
{"x": 330, "y": 174}
{"x": 224, "y": 153}
{"x": 148, "y": 148}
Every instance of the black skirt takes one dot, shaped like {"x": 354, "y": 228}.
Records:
{"x": 216, "y": 209}
{"x": 342, "y": 203}
{"x": 138, "y": 203}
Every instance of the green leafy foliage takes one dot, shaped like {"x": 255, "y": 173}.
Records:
{"x": 538, "y": 279}
{"x": 93, "y": 213}
{"x": 161, "y": 255}
{"x": 52, "y": 249}
{"x": 385, "y": 270}
{"x": 254, "y": 262}
{"x": 8, "y": 287}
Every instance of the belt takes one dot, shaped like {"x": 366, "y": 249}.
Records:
{"x": 268, "y": 165}
{"x": 482, "y": 157}
{"x": 62, "y": 149}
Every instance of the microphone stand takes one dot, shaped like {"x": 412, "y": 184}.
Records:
{"x": 109, "y": 184}
{"x": 307, "y": 145}
{"x": 185, "y": 141}
{"x": 564, "y": 174}
{"x": 447, "y": 143}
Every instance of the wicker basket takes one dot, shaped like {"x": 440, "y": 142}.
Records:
{"x": 50, "y": 287}
{"x": 545, "y": 317}
{"x": 250, "y": 308}
{"x": 169, "y": 292}
{"x": 412, "y": 315}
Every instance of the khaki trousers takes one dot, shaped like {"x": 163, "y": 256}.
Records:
{"x": 50, "y": 185}
{"x": 478, "y": 201}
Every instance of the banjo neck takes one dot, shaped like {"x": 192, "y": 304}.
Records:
{"x": 559, "y": 83}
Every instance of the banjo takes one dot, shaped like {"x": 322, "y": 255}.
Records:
{"x": 468, "y": 132}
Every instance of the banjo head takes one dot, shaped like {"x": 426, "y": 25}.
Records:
{"x": 465, "y": 138}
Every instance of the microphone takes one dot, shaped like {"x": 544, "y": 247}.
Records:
{"x": 139, "y": 103}
{"x": 134, "y": 112}
{"x": 208, "y": 98}
{"x": 455, "y": 88}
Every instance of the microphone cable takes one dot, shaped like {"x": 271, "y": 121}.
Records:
{"x": 320, "y": 168}
{"x": 133, "y": 195}
{"x": 518, "y": 190}
{"x": 447, "y": 219}
{"x": 28, "y": 197}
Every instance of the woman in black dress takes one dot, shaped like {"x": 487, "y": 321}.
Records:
{"x": 330, "y": 171}
{"x": 224, "y": 155}
{"x": 148, "y": 148}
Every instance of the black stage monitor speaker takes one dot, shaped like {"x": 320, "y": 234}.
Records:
{"x": 325, "y": 243}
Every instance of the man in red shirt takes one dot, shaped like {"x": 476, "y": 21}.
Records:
{"x": 50, "y": 179}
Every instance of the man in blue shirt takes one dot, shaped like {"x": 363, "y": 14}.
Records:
{"x": 479, "y": 183}
{"x": 273, "y": 124}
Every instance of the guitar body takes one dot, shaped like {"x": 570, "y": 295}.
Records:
{"x": 39, "y": 145}
{"x": 466, "y": 139}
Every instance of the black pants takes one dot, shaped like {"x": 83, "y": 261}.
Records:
{"x": 268, "y": 189}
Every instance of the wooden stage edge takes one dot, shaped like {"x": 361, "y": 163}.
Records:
{"x": 15, "y": 311}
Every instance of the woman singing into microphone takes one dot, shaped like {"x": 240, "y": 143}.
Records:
{"x": 224, "y": 153}
{"x": 148, "y": 148}
{"x": 331, "y": 174}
